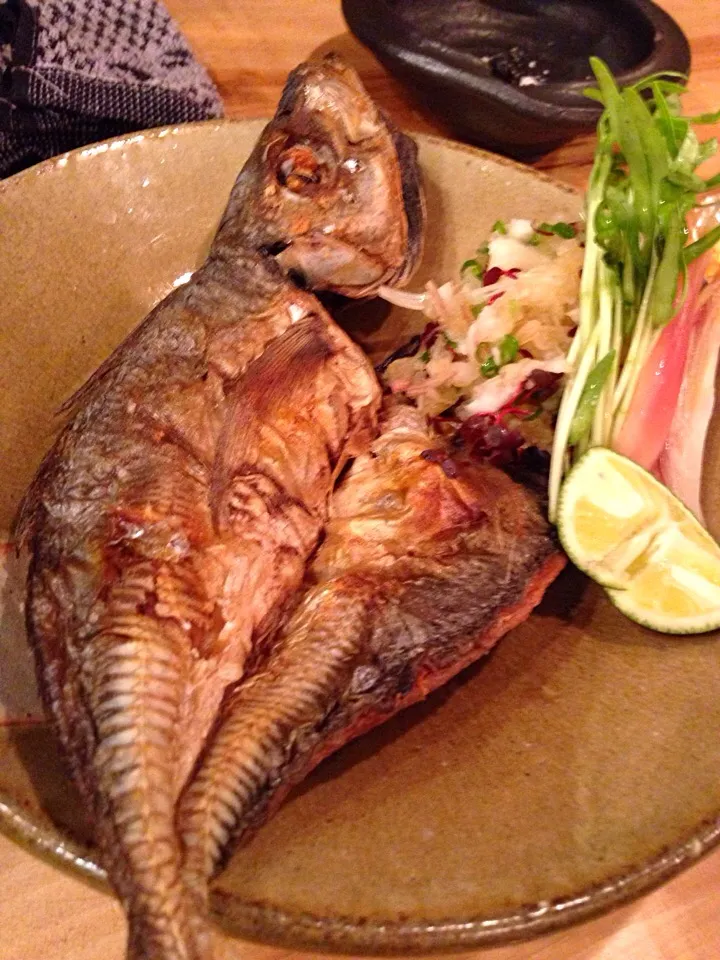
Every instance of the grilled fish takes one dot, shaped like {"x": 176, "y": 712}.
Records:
{"x": 170, "y": 524}
{"x": 420, "y": 573}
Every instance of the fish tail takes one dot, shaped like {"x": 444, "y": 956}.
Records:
{"x": 134, "y": 676}
{"x": 188, "y": 940}
{"x": 262, "y": 723}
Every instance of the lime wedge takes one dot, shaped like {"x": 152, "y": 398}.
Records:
{"x": 628, "y": 532}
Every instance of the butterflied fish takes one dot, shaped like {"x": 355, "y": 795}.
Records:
{"x": 170, "y": 524}
{"x": 425, "y": 565}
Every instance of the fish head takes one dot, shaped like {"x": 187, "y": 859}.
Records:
{"x": 332, "y": 190}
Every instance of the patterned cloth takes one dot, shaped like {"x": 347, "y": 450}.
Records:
{"x": 76, "y": 71}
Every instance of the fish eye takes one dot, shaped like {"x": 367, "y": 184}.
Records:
{"x": 300, "y": 169}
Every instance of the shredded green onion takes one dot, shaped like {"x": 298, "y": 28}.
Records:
{"x": 472, "y": 266}
{"x": 565, "y": 230}
{"x": 493, "y": 360}
{"x": 507, "y": 349}
{"x": 489, "y": 368}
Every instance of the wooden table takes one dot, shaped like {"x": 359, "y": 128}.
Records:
{"x": 249, "y": 46}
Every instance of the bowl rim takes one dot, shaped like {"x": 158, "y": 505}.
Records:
{"x": 372, "y": 23}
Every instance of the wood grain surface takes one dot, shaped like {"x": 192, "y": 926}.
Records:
{"x": 249, "y": 46}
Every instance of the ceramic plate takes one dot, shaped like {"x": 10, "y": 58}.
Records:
{"x": 575, "y": 767}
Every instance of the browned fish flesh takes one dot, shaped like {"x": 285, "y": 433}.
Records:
{"x": 170, "y": 524}
{"x": 423, "y": 568}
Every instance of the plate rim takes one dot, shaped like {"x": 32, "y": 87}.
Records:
{"x": 270, "y": 924}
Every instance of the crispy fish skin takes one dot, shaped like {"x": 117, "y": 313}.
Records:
{"x": 157, "y": 591}
{"x": 419, "y": 575}
{"x": 170, "y": 524}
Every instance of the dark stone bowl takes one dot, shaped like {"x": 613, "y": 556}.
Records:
{"x": 510, "y": 74}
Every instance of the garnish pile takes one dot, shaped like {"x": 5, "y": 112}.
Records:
{"x": 641, "y": 270}
{"x": 488, "y": 368}
{"x": 599, "y": 340}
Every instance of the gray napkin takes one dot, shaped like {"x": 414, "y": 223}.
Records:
{"x": 76, "y": 71}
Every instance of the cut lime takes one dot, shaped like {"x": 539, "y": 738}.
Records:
{"x": 629, "y": 533}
